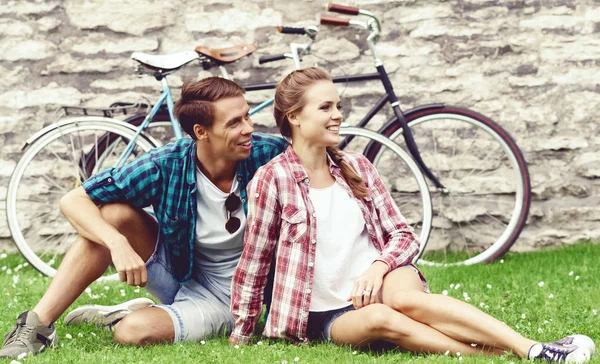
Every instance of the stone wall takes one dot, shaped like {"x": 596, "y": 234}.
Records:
{"x": 531, "y": 65}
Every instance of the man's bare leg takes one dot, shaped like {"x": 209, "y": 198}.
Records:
{"x": 86, "y": 261}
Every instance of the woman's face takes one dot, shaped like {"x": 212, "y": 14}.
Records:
{"x": 319, "y": 120}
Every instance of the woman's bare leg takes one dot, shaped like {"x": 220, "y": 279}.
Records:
{"x": 380, "y": 322}
{"x": 403, "y": 291}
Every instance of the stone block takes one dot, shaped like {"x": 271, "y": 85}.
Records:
{"x": 19, "y": 7}
{"x": 52, "y": 94}
{"x": 18, "y": 49}
{"x": 100, "y": 43}
{"x": 246, "y": 18}
{"x": 69, "y": 64}
{"x": 121, "y": 16}
{"x": 13, "y": 28}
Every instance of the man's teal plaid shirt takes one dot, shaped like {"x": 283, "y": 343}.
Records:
{"x": 165, "y": 179}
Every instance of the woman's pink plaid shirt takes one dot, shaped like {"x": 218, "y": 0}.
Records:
{"x": 281, "y": 221}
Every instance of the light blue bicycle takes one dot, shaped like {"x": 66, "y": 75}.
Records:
{"x": 61, "y": 156}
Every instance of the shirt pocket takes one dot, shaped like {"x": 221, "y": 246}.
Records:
{"x": 294, "y": 225}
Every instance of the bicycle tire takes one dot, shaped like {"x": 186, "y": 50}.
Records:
{"x": 50, "y": 166}
{"x": 493, "y": 206}
{"x": 394, "y": 155}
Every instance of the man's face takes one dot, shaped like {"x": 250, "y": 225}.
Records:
{"x": 231, "y": 133}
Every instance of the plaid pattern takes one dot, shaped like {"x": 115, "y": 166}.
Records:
{"x": 281, "y": 224}
{"x": 165, "y": 179}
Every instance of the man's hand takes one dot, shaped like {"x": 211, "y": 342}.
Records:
{"x": 367, "y": 286}
{"x": 130, "y": 266}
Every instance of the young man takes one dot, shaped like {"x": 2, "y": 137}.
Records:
{"x": 185, "y": 255}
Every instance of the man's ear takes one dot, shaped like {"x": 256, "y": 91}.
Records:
{"x": 200, "y": 132}
{"x": 293, "y": 119}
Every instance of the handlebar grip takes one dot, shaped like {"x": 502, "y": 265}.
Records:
{"x": 267, "y": 59}
{"x": 343, "y": 9}
{"x": 332, "y": 20}
{"x": 290, "y": 30}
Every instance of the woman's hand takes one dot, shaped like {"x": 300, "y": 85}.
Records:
{"x": 367, "y": 286}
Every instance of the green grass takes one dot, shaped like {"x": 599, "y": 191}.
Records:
{"x": 515, "y": 297}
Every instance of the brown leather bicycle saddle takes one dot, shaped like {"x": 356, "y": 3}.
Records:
{"x": 227, "y": 55}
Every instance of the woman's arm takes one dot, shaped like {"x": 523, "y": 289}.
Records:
{"x": 250, "y": 278}
{"x": 401, "y": 244}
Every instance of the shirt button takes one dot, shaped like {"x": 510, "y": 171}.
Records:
{"x": 243, "y": 200}
{"x": 314, "y": 214}
{"x": 308, "y": 290}
{"x": 314, "y": 241}
{"x": 311, "y": 264}
{"x": 239, "y": 178}
{"x": 109, "y": 180}
{"x": 256, "y": 195}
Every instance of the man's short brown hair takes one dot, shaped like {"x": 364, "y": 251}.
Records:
{"x": 196, "y": 103}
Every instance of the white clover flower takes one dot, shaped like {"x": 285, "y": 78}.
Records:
{"x": 123, "y": 294}
{"x": 51, "y": 262}
{"x": 541, "y": 284}
{"x": 501, "y": 261}
{"x": 452, "y": 285}
{"x": 445, "y": 292}
{"x": 259, "y": 343}
{"x": 487, "y": 307}
{"x": 68, "y": 336}
{"x": 540, "y": 330}
{"x": 3, "y": 267}
{"x": 546, "y": 322}
{"x": 550, "y": 295}
{"x": 80, "y": 335}
{"x": 284, "y": 362}
{"x": 21, "y": 356}
{"x": 88, "y": 290}
{"x": 93, "y": 334}
{"x": 296, "y": 358}
{"x": 468, "y": 299}
{"x": 137, "y": 290}
{"x": 465, "y": 294}
{"x": 523, "y": 316}
{"x": 571, "y": 273}
{"x": 481, "y": 304}
{"x": 460, "y": 358}
{"x": 354, "y": 352}
{"x": 3, "y": 255}
{"x": 236, "y": 346}
{"x": 457, "y": 286}
{"x": 202, "y": 342}
{"x": 577, "y": 278}
{"x": 594, "y": 312}
{"x": 473, "y": 345}
{"x": 25, "y": 264}
{"x": 15, "y": 362}
{"x": 489, "y": 285}
{"x": 447, "y": 352}
{"x": 9, "y": 271}
{"x": 458, "y": 353}
{"x": 106, "y": 288}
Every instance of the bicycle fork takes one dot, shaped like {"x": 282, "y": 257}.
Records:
{"x": 406, "y": 132}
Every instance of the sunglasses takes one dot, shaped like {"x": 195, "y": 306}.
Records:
{"x": 232, "y": 204}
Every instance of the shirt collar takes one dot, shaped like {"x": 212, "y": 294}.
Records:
{"x": 296, "y": 167}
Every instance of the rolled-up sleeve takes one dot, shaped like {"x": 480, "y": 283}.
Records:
{"x": 260, "y": 239}
{"x": 133, "y": 183}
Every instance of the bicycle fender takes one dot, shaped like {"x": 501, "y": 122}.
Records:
{"x": 390, "y": 123}
{"x": 75, "y": 120}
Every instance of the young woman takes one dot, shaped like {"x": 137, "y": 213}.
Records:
{"x": 342, "y": 250}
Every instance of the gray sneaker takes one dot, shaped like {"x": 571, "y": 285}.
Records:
{"x": 105, "y": 315}
{"x": 28, "y": 336}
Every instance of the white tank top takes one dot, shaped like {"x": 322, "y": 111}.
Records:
{"x": 344, "y": 251}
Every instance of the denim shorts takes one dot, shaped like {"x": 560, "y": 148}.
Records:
{"x": 197, "y": 313}
{"x": 319, "y": 323}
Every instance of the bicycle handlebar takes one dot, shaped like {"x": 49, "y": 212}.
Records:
{"x": 343, "y": 9}
{"x": 332, "y": 20}
{"x": 291, "y": 30}
{"x": 267, "y": 59}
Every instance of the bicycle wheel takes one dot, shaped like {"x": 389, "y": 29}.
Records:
{"x": 488, "y": 192}
{"x": 415, "y": 205}
{"x": 53, "y": 164}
